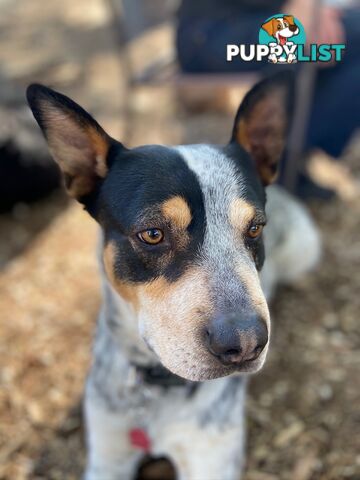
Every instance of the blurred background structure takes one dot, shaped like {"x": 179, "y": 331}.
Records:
{"x": 303, "y": 408}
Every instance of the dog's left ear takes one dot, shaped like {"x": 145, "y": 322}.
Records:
{"x": 262, "y": 122}
{"x": 269, "y": 27}
{"x": 76, "y": 141}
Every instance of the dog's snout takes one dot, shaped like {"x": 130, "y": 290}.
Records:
{"x": 293, "y": 28}
{"x": 235, "y": 339}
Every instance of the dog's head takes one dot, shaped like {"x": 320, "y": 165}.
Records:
{"x": 182, "y": 227}
{"x": 281, "y": 28}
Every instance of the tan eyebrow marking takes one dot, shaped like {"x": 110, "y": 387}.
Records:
{"x": 241, "y": 213}
{"x": 177, "y": 211}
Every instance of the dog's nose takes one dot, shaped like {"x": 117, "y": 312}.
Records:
{"x": 235, "y": 339}
{"x": 293, "y": 28}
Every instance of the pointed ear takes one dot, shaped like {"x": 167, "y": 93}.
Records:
{"x": 269, "y": 27}
{"x": 76, "y": 141}
{"x": 262, "y": 122}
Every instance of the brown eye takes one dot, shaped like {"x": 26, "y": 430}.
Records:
{"x": 152, "y": 236}
{"x": 255, "y": 231}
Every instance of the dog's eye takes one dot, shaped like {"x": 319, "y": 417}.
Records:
{"x": 279, "y": 27}
{"x": 255, "y": 231}
{"x": 152, "y": 236}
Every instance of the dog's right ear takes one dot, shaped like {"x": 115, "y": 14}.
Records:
{"x": 76, "y": 141}
{"x": 263, "y": 120}
{"x": 269, "y": 27}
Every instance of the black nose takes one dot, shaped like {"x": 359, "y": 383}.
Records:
{"x": 235, "y": 339}
{"x": 293, "y": 28}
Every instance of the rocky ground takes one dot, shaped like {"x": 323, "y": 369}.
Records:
{"x": 303, "y": 409}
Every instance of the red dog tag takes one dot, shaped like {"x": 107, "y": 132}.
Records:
{"x": 140, "y": 439}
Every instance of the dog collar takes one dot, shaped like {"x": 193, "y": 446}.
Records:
{"x": 161, "y": 376}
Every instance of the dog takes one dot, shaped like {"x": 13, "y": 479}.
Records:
{"x": 184, "y": 318}
{"x": 282, "y": 29}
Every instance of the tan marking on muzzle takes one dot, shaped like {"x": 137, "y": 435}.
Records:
{"x": 177, "y": 211}
{"x": 179, "y": 307}
{"x": 126, "y": 290}
{"x": 173, "y": 317}
{"x": 240, "y": 214}
{"x": 189, "y": 290}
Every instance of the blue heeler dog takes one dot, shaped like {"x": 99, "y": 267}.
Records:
{"x": 184, "y": 317}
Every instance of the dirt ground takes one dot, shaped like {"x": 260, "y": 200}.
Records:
{"x": 303, "y": 409}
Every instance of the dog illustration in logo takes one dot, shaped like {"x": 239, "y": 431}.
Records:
{"x": 282, "y": 29}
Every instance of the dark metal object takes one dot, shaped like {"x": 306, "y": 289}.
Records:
{"x": 304, "y": 94}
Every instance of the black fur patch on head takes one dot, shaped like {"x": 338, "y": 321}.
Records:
{"x": 129, "y": 200}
